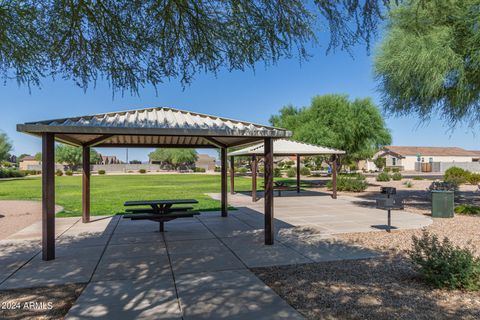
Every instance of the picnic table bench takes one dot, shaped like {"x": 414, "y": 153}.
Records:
{"x": 282, "y": 186}
{"x": 160, "y": 210}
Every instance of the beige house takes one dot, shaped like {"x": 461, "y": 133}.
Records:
{"x": 28, "y": 163}
{"x": 206, "y": 162}
{"x": 413, "y": 158}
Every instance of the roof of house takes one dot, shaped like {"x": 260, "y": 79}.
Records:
{"x": 28, "y": 158}
{"x": 153, "y": 127}
{"x": 287, "y": 147}
{"x": 431, "y": 151}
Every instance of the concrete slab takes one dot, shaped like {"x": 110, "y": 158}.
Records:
{"x": 230, "y": 295}
{"x": 132, "y": 268}
{"x": 153, "y": 298}
{"x": 134, "y": 250}
{"x": 205, "y": 261}
{"x": 254, "y": 253}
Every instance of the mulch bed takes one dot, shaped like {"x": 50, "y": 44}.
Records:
{"x": 380, "y": 288}
{"x": 38, "y": 303}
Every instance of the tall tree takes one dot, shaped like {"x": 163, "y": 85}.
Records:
{"x": 72, "y": 156}
{"x": 429, "y": 60}
{"x": 356, "y": 127}
{"x": 137, "y": 42}
{"x": 174, "y": 156}
{"x": 5, "y": 146}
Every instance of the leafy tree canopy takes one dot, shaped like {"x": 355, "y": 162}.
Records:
{"x": 132, "y": 43}
{"x": 174, "y": 156}
{"x": 72, "y": 156}
{"x": 5, "y": 146}
{"x": 429, "y": 61}
{"x": 38, "y": 156}
{"x": 356, "y": 127}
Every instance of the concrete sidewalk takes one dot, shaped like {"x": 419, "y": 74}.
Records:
{"x": 197, "y": 269}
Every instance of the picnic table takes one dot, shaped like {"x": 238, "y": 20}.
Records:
{"x": 280, "y": 186}
{"x": 160, "y": 210}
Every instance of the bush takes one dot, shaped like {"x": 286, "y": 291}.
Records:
{"x": 242, "y": 170}
{"x": 304, "y": 171}
{"x": 69, "y": 173}
{"x": 444, "y": 265}
{"x": 456, "y": 175}
{"x": 101, "y": 172}
{"x": 417, "y": 178}
{"x": 473, "y": 178}
{"x": 468, "y": 209}
{"x": 11, "y": 173}
{"x": 408, "y": 184}
{"x": 383, "y": 176}
{"x": 277, "y": 173}
{"x": 59, "y": 173}
{"x": 198, "y": 169}
{"x": 30, "y": 172}
{"x": 351, "y": 184}
{"x": 395, "y": 170}
{"x": 218, "y": 169}
{"x": 443, "y": 186}
{"x": 397, "y": 176}
{"x": 142, "y": 171}
{"x": 387, "y": 169}
{"x": 292, "y": 172}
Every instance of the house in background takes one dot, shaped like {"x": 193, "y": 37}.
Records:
{"x": 108, "y": 160}
{"x": 429, "y": 159}
{"x": 28, "y": 163}
{"x": 206, "y": 162}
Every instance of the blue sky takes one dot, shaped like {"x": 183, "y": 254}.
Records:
{"x": 251, "y": 96}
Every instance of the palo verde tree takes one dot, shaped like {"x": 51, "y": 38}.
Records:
{"x": 174, "y": 157}
{"x": 72, "y": 156}
{"x": 357, "y": 126}
{"x": 132, "y": 43}
{"x": 429, "y": 60}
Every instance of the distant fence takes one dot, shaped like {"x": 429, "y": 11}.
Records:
{"x": 444, "y": 166}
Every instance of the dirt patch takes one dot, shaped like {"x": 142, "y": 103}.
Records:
{"x": 18, "y": 214}
{"x": 461, "y": 230}
{"x": 382, "y": 288}
{"x": 38, "y": 303}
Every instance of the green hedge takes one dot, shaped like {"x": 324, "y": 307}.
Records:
{"x": 383, "y": 177}
{"x": 351, "y": 184}
{"x": 11, "y": 173}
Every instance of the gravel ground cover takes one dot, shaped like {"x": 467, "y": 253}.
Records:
{"x": 50, "y": 303}
{"x": 381, "y": 288}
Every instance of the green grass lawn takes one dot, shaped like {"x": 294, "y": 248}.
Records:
{"x": 108, "y": 193}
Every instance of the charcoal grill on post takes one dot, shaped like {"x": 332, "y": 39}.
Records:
{"x": 389, "y": 203}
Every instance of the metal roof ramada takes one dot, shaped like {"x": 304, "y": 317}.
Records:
{"x": 287, "y": 147}
{"x": 151, "y": 127}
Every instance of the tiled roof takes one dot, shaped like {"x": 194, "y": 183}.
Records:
{"x": 431, "y": 151}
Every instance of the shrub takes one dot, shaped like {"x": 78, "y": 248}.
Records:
{"x": 395, "y": 170}
{"x": 468, "y": 209}
{"x": 408, "y": 184}
{"x": 417, "y": 178}
{"x": 387, "y": 169}
{"x": 444, "y": 265}
{"x": 218, "y": 169}
{"x": 101, "y": 172}
{"x": 277, "y": 173}
{"x": 292, "y": 172}
{"x": 443, "y": 186}
{"x": 59, "y": 173}
{"x": 352, "y": 184}
{"x": 473, "y": 178}
{"x": 242, "y": 170}
{"x": 383, "y": 176}
{"x": 352, "y": 167}
{"x": 69, "y": 173}
{"x": 397, "y": 176}
{"x": 142, "y": 171}
{"x": 304, "y": 171}
{"x": 198, "y": 169}
{"x": 456, "y": 175}
{"x": 11, "y": 173}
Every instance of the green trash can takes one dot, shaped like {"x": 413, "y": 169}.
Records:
{"x": 442, "y": 204}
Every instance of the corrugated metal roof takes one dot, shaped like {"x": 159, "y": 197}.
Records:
{"x": 287, "y": 147}
{"x": 151, "y": 126}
